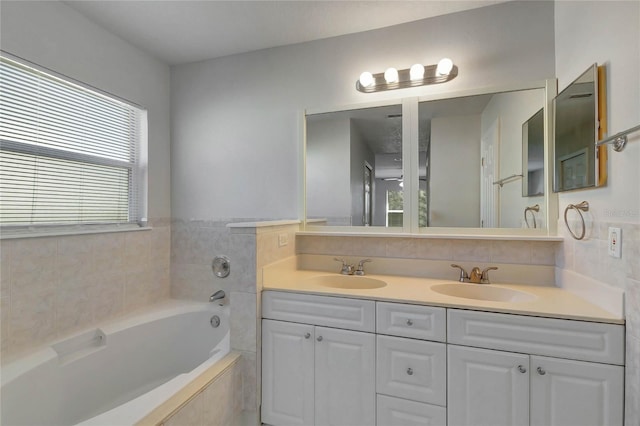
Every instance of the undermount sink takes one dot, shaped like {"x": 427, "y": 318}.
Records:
{"x": 346, "y": 281}
{"x": 483, "y": 292}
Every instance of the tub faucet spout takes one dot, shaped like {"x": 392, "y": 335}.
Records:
{"x": 220, "y": 294}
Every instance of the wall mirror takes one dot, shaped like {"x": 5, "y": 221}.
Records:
{"x": 578, "y": 162}
{"x": 423, "y": 165}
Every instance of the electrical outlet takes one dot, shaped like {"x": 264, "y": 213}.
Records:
{"x": 283, "y": 240}
{"x": 615, "y": 242}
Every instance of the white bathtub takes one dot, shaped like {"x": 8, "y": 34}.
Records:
{"x": 118, "y": 373}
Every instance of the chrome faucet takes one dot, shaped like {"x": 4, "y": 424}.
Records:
{"x": 218, "y": 295}
{"x": 346, "y": 269}
{"x": 360, "y": 269}
{"x": 476, "y": 276}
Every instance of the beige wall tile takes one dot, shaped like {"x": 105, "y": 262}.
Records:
{"x": 222, "y": 399}
{"x": 192, "y": 414}
{"x": 249, "y": 381}
{"x": 243, "y": 321}
{"x": 511, "y": 252}
{"x": 471, "y": 250}
{"x": 434, "y": 249}
{"x": 32, "y": 320}
{"x": 63, "y": 284}
{"x": 6, "y": 254}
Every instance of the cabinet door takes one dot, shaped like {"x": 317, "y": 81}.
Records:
{"x": 287, "y": 373}
{"x": 345, "y": 377}
{"x": 565, "y": 392}
{"x": 487, "y": 387}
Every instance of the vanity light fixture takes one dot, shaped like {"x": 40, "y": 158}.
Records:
{"x": 417, "y": 75}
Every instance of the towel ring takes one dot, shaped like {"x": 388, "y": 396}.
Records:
{"x": 531, "y": 209}
{"x": 582, "y": 207}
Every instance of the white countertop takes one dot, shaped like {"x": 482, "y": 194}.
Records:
{"x": 550, "y": 302}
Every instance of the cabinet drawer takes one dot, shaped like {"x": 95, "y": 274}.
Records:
{"x": 419, "y": 322}
{"x": 411, "y": 369}
{"x": 400, "y": 412}
{"x": 579, "y": 340}
{"x": 338, "y": 312}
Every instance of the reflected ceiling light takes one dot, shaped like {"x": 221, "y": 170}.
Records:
{"x": 417, "y": 75}
{"x": 391, "y": 75}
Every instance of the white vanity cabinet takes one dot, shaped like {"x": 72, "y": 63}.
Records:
{"x": 312, "y": 374}
{"x": 340, "y": 361}
{"x": 527, "y": 387}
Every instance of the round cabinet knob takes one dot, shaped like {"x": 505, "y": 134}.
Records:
{"x": 541, "y": 371}
{"x": 319, "y": 339}
{"x": 307, "y": 335}
{"x": 522, "y": 369}
{"x": 409, "y": 322}
{"x": 410, "y": 371}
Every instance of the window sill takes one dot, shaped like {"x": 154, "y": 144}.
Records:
{"x": 11, "y": 234}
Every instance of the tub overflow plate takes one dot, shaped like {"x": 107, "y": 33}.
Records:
{"x": 221, "y": 266}
{"x": 215, "y": 321}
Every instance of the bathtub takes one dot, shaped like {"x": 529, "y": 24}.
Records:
{"x": 118, "y": 373}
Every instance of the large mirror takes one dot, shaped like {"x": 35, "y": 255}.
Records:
{"x": 578, "y": 163}
{"x": 465, "y": 169}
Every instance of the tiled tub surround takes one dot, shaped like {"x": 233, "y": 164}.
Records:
{"x": 249, "y": 245}
{"x": 215, "y": 399}
{"x": 589, "y": 258}
{"x": 52, "y": 287}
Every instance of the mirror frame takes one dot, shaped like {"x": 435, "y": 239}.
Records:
{"x": 410, "y": 168}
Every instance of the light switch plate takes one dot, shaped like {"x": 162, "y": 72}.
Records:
{"x": 615, "y": 242}
{"x": 283, "y": 240}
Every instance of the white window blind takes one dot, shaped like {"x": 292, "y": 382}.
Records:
{"x": 68, "y": 155}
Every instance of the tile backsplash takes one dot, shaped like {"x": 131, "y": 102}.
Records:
{"x": 55, "y": 286}
{"x": 462, "y": 250}
{"x": 589, "y": 257}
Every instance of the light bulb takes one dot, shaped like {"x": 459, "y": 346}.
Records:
{"x": 444, "y": 66}
{"x": 366, "y": 79}
{"x": 391, "y": 75}
{"x": 416, "y": 72}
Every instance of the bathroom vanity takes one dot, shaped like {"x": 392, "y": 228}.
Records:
{"x": 367, "y": 356}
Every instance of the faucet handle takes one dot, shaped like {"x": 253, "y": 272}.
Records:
{"x": 484, "y": 278}
{"x": 360, "y": 270}
{"x": 463, "y": 274}
{"x": 346, "y": 268}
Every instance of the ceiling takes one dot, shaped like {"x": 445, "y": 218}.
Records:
{"x": 183, "y": 31}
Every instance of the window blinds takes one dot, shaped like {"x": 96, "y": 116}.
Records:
{"x": 68, "y": 155}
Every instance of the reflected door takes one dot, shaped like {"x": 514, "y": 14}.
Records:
{"x": 368, "y": 183}
{"x": 489, "y": 193}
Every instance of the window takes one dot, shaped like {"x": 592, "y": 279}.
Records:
{"x": 68, "y": 155}
{"x": 395, "y": 208}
